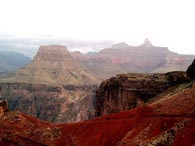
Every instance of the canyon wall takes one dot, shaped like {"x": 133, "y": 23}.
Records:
{"x": 51, "y": 103}
{"x": 59, "y": 86}
{"x": 127, "y": 91}
{"x": 167, "y": 122}
{"x": 52, "y": 87}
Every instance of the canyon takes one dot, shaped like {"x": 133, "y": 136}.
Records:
{"x": 52, "y": 87}
{"x": 168, "y": 120}
{"x": 131, "y": 109}
{"x": 51, "y": 103}
{"x": 60, "y": 86}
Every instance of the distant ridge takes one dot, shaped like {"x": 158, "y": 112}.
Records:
{"x": 123, "y": 58}
{"x": 11, "y": 61}
{"x": 53, "y": 64}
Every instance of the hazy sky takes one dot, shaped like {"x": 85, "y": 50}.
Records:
{"x": 168, "y": 23}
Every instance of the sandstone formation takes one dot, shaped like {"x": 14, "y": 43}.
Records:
{"x": 122, "y": 58}
{"x": 166, "y": 122}
{"x": 52, "y": 87}
{"x": 52, "y": 65}
{"x": 127, "y": 91}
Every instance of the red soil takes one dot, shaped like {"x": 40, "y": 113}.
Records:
{"x": 167, "y": 122}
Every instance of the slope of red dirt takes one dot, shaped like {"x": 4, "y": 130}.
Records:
{"x": 161, "y": 123}
{"x": 168, "y": 121}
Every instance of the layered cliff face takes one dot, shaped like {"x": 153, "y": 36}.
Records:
{"x": 52, "y": 65}
{"x": 127, "y": 91}
{"x": 76, "y": 75}
{"x": 167, "y": 122}
{"x": 52, "y": 87}
{"x": 122, "y": 58}
{"x": 51, "y": 103}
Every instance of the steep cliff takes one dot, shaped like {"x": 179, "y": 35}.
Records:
{"x": 127, "y": 91}
{"x": 167, "y": 122}
{"x": 52, "y": 87}
{"x": 51, "y": 103}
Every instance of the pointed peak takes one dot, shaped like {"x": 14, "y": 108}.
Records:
{"x": 147, "y": 43}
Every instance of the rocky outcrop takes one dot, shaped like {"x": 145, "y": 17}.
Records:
{"x": 191, "y": 71}
{"x": 51, "y": 103}
{"x": 127, "y": 91}
{"x": 167, "y": 122}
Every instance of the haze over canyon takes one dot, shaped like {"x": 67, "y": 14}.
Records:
{"x": 129, "y": 95}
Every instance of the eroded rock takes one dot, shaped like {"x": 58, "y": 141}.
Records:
{"x": 127, "y": 91}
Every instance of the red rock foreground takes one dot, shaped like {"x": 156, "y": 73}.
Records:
{"x": 170, "y": 120}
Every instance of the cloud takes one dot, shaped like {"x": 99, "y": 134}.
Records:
{"x": 29, "y": 45}
{"x": 35, "y": 22}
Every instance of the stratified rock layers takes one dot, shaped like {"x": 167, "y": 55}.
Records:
{"x": 127, "y": 91}
{"x": 52, "y": 87}
{"x": 53, "y": 65}
{"x": 167, "y": 122}
{"x": 51, "y": 103}
{"x": 122, "y": 58}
